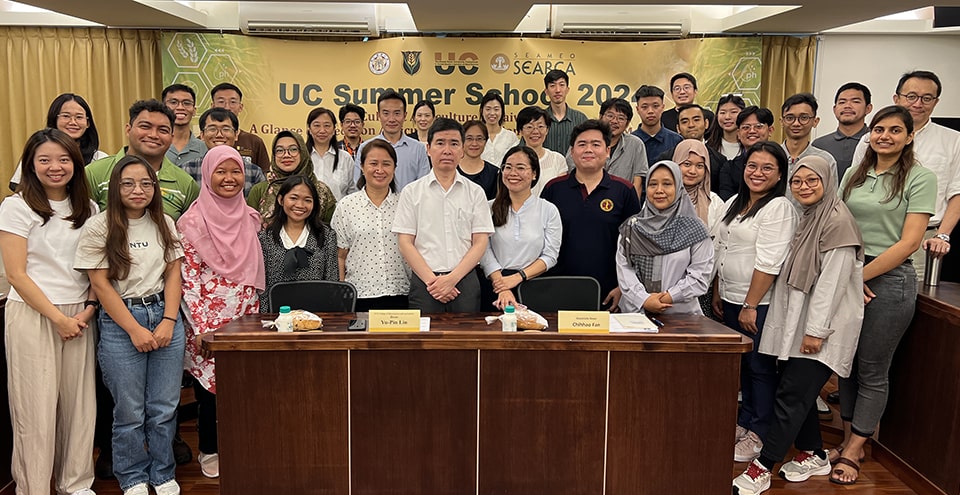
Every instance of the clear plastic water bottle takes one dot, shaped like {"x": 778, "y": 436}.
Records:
{"x": 509, "y": 319}
{"x": 284, "y": 322}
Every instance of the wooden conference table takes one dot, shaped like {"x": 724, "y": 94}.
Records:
{"x": 466, "y": 408}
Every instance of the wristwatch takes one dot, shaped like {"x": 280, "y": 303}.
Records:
{"x": 90, "y": 302}
{"x": 747, "y": 306}
{"x": 943, "y": 237}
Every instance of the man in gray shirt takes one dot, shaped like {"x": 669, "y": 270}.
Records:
{"x": 851, "y": 106}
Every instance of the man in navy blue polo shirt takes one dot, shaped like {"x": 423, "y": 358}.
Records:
{"x": 592, "y": 206}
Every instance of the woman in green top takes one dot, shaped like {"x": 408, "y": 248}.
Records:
{"x": 290, "y": 157}
{"x": 892, "y": 218}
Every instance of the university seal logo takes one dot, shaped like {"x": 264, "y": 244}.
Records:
{"x": 411, "y": 62}
{"x": 379, "y": 63}
{"x": 500, "y": 63}
{"x": 606, "y": 205}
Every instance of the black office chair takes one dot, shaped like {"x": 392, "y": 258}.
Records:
{"x": 551, "y": 294}
{"x": 314, "y": 295}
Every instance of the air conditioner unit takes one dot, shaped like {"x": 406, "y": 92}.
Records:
{"x": 308, "y": 19}
{"x": 620, "y": 21}
{"x": 620, "y": 30}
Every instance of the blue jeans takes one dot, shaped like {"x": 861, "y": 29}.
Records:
{"x": 758, "y": 375}
{"x": 146, "y": 389}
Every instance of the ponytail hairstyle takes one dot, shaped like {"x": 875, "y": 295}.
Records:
{"x": 900, "y": 170}
{"x": 743, "y": 195}
{"x": 117, "y": 247}
{"x": 32, "y": 191}
{"x": 715, "y": 133}
{"x": 334, "y": 145}
{"x": 385, "y": 146}
{"x": 501, "y": 202}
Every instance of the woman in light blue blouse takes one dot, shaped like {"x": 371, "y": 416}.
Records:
{"x": 526, "y": 240}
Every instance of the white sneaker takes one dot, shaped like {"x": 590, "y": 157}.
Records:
{"x": 169, "y": 488}
{"x": 755, "y": 480}
{"x": 85, "y": 491}
{"x": 209, "y": 465}
{"x": 803, "y": 466}
{"x": 748, "y": 448}
{"x": 140, "y": 489}
{"x": 740, "y": 433}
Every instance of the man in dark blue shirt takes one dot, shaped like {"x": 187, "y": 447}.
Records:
{"x": 656, "y": 138}
{"x": 592, "y": 206}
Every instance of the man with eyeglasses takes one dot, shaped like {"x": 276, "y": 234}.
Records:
{"x": 182, "y": 100}
{"x": 218, "y": 127}
{"x": 351, "y": 123}
{"x": 851, "y": 105}
{"x": 412, "y": 160}
{"x": 754, "y": 124}
{"x": 935, "y": 147}
{"x": 250, "y": 146}
{"x": 628, "y": 156}
{"x": 799, "y": 118}
{"x": 683, "y": 91}
{"x": 656, "y": 138}
{"x": 693, "y": 124}
{"x": 149, "y": 134}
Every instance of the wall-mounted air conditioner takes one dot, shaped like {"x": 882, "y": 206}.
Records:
{"x": 615, "y": 21}
{"x": 308, "y": 19}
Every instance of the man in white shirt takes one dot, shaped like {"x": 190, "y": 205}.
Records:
{"x": 936, "y": 148}
{"x": 443, "y": 225}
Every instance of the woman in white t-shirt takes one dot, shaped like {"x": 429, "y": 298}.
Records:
{"x": 332, "y": 165}
{"x": 71, "y": 114}
{"x": 132, "y": 254}
{"x": 49, "y": 336}
{"x": 492, "y": 113}
{"x": 533, "y": 124}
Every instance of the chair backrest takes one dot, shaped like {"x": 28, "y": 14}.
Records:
{"x": 314, "y": 295}
{"x": 551, "y": 294}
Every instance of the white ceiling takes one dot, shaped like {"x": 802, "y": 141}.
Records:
{"x": 497, "y": 16}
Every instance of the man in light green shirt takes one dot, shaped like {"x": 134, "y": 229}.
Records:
{"x": 149, "y": 134}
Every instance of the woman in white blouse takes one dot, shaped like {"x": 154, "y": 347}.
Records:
{"x": 664, "y": 255}
{"x": 332, "y": 165}
{"x": 492, "y": 113}
{"x": 751, "y": 243}
{"x": 533, "y": 124}
{"x": 526, "y": 239}
{"x": 368, "y": 255}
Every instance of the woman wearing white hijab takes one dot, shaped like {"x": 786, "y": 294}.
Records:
{"x": 664, "y": 255}
{"x": 813, "y": 326}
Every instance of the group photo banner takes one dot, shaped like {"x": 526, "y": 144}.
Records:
{"x": 282, "y": 80}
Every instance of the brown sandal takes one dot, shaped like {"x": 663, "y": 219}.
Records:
{"x": 834, "y": 478}
{"x": 839, "y": 452}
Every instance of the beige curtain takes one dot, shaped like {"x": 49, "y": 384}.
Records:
{"x": 788, "y": 66}
{"x": 110, "y": 68}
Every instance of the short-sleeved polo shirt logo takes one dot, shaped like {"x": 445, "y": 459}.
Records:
{"x": 606, "y": 205}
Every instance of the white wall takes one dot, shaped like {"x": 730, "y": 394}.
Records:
{"x": 878, "y": 61}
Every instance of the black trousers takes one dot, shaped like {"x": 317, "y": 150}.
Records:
{"x": 467, "y": 302}
{"x": 795, "y": 418}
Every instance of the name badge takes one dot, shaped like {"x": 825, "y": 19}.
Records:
{"x": 583, "y": 321}
{"x": 402, "y": 320}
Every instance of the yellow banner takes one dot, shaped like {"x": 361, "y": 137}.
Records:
{"x": 282, "y": 80}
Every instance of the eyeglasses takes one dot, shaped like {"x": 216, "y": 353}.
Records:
{"x": 688, "y": 164}
{"x": 351, "y": 123}
{"x": 811, "y": 182}
{"x": 66, "y": 117}
{"x": 913, "y": 97}
{"x": 803, "y": 118}
{"x": 475, "y": 139}
{"x": 128, "y": 185}
{"x": 214, "y": 130}
{"x": 293, "y": 150}
{"x": 754, "y": 127}
{"x": 177, "y": 103}
{"x": 531, "y": 128}
{"x": 615, "y": 116}
{"x": 520, "y": 169}
{"x": 685, "y": 87}
{"x": 765, "y": 169}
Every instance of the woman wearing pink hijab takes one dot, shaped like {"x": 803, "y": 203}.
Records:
{"x": 222, "y": 272}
